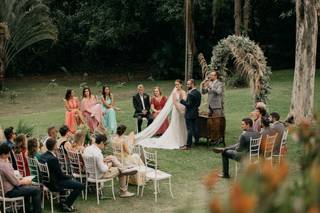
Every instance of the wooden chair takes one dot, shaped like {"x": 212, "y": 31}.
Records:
{"x": 76, "y": 166}
{"x": 269, "y": 147}
{"x": 279, "y": 156}
{"x": 20, "y": 164}
{"x": 10, "y": 203}
{"x": 63, "y": 161}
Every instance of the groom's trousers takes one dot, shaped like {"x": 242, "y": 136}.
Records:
{"x": 193, "y": 131}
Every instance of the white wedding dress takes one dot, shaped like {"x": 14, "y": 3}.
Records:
{"x": 176, "y": 134}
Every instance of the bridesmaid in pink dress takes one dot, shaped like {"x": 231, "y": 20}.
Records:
{"x": 157, "y": 103}
{"x": 73, "y": 114}
{"x": 91, "y": 109}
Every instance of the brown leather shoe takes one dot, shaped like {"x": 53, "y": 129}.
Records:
{"x": 218, "y": 150}
{"x": 184, "y": 148}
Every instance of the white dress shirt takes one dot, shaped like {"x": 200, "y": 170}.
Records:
{"x": 96, "y": 152}
{"x": 142, "y": 101}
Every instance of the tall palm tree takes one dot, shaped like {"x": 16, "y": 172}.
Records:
{"x": 22, "y": 24}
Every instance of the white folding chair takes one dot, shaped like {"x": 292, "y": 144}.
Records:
{"x": 76, "y": 166}
{"x": 92, "y": 177}
{"x": 63, "y": 160}
{"x": 283, "y": 144}
{"x": 45, "y": 181}
{"x": 253, "y": 153}
{"x": 10, "y": 203}
{"x": 20, "y": 164}
{"x": 155, "y": 175}
{"x": 269, "y": 147}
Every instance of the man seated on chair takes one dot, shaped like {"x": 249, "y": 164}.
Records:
{"x": 52, "y": 133}
{"x": 238, "y": 150}
{"x": 10, "y": 136}
{"x": 279, "y": 128}
{"x": 266, "y": 130}
{"x": 14, "y": 187}
{"x": 58, "y": 180}
{"x": 141, "y": 103}
{"x": 109, "y": 167}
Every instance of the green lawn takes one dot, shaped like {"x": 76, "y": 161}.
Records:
{"x": 43, "y": 107}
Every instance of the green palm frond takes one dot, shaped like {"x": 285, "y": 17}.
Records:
{"x": 28, "y": 22}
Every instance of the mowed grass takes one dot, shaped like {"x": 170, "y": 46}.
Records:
{"x": 43, "y": 107}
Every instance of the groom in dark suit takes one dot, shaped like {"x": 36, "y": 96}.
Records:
{"x": 192, "y": 104}
{"x": 141, "y": 103}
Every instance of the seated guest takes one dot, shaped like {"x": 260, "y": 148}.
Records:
{"x": 10, "y": 136}
{"x": 108, "y": 110}
{"x": 21, "y": 147}
{"x": 15, "y": 188}
{"x": 264, "y": 106}
{"x": 157, "y": 103}
{"x": 141, "y": 103}
{"x": 258, "y": 114}
{"x": 108, "y": 167}
{"x": 279, "y": 128}
{"x": 33, "y": 148}
{"x": 240, "y": 149}
{"x": 91, "y": 109}
{"x": 73, "y": 113}
{"x": 52, "y": 133}
{"x": 78, "y": 142}
{"x": 127, "y": 157}
{"x": 58, "y": 180}
{"x": 63, "y": 142}
{"x": 266, "y": 130}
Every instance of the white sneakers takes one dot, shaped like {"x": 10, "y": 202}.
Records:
{"x": 126, "y": 194}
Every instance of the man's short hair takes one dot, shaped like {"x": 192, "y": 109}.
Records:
{"x": 50, "y": 128}
{"x": 100, "y": 138}
{"x": 4, "y": 149}
{"x": 8, "y": 132}
{"x": 275, "y": 115}
{"x": 248, "y": 121}
{"x": 140, "y": 86}
{"x": 192, "y": 81}
{"x": 50, "y": 143}
{"x": 63, "y": 130}
{"x": 265, "y": 121}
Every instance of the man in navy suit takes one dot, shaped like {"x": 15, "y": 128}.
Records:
{"x": 192, "y": 104}
{"x": 58, "y": 180}
{"x": 141, "y": 103}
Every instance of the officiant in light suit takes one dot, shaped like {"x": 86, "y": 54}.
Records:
{"x": 214, "y": 87}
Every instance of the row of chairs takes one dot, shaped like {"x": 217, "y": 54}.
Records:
{"x": 268, "y": 154}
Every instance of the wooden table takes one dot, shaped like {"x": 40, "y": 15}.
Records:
{"x": 212, "y": 128}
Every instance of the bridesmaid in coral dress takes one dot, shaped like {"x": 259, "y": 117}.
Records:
{"x": 157, "y": 103}
{"x": 91, "y": 109}
{"x": 73, "y": 114}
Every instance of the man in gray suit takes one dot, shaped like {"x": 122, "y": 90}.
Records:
{"x": 279, "y": 128}
{"x": 238, "y": 150}
{"x": 214, "y": 87}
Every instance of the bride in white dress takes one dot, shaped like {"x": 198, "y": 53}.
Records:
{"x": 176, "y": 134}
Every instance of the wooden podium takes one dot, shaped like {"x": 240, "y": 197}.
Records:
{"x": 212, "y": 128}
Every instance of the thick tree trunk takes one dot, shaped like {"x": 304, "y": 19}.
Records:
{"x": 302, "y": 99}
{"x": 246, "y": 16}
{"x": 190, "y": 41}
{"x": 237, "y": 17}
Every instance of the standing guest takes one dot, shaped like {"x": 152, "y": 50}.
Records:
{"x": 157, "y": 103}
{"x": 33, "y": 148}
{"x": 278, "y": 127}
{"x": 78, "y": 142}
{"x": 13, "y": 187}
{"x": 108, "y": 167}
{"x": 10, "y": 136}
{"x": 52, "y": 133}
{"x": 21, "y": 147}
{"x": 73, "y": 114}
{"x": 58, "y": 180}
{"x": 192, "y": 104}
{"x": 141, "y": 103}
{"x": 265, "y": 131}
{"x": 108, "y": 110}
{"x": 214, "y": 87}
{"x": 238, "y": 150}
{"x": 63, "y": 142}
{"x": 91, "y": 109}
